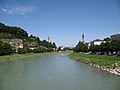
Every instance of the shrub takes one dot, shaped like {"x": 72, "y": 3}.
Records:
{"x": 21, "y": 51}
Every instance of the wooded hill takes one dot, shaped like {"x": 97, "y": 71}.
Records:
{"x": 28, "y": 41}
{"x": 12, "y": 32}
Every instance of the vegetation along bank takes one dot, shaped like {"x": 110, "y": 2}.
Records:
{"x": 15, "y": 40}
{"x": 14, "y": 56}
{"x": 107, "y": 63}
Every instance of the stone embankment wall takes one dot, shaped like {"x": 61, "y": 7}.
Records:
{"x": 115, "y": 69}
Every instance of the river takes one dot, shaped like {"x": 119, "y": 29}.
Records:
{"x": 54, "y": 72}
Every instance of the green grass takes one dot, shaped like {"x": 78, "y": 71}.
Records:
{"x": 101, "y": 60}
{"x": 24, "y": 55}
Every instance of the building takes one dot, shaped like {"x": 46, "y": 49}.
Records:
{"x": 32, "y": 45}
{"x": 97, "y": 41}
{"x": 115, "y": 36}
{"x": 50, "y": 40}
{"x": 88, "y": 44}
{"x": 17, "y": 43}
{"x": 61, "y": 48}
{"x": 83, "y": 39}
{"x": 94, "y": 42}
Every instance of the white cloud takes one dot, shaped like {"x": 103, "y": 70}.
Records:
{"x": 18, "y": 10}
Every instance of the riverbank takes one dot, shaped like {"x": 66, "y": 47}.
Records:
{"x": 103, "y": 62}
{"x": 12, "y": 56}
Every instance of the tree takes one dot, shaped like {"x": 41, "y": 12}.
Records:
{"x": 105, "y": 47}
{"x": 38, "y": 40}
{"x": 54, "y": 45}
{"x": 94, "y": 48}
{"x": 115, "y": 45}
{"x": 50, "y": 50}
{"x": 40, "y": 50}
{"x": 14, "y": 31}
{"x": 107, "y": 39}
{"x": 67, "y": 48}
{"x": 81, "y": 47}
{"x": 21, "y": 51}
{"x": 5, "y": 49}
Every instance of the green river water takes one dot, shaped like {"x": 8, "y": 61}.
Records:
{"x": 54, "y": 72}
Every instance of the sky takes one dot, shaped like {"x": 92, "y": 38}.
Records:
{"x": 64, "y": 21}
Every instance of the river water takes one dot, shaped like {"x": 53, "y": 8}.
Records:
{"x": 53, "y": 72}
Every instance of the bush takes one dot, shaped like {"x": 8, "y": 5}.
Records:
{"x": 5, "y": 49}
{"x": 21, "y": 51}
{"x": 50, "y": 49}
{"x": 39, "y": 50}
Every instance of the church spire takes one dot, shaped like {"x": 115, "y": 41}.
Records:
{"x": 83, "y": 39}
{"x": 49, "y": 39}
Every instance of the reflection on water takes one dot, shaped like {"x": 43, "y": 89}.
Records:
{"x": 54, "y": 72}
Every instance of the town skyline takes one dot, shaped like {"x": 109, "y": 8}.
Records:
{"x": 63, "y": 21}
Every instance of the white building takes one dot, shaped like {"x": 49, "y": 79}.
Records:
{"x": 94, "y": 42}
{"x": 97, "y": 42}
{"x": 61, "y": 47}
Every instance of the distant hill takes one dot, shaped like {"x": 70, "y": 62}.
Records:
{"x": 12, "y": 32}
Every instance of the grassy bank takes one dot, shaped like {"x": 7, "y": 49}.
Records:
{"x": 101, "y": 60}
{"x": 24, "y": 55}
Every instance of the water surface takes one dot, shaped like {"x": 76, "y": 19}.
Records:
{"x": 54, "y": 72}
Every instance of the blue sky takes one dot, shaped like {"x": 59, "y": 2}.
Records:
{"x": 64, "y": 21}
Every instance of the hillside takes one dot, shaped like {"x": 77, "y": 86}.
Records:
{"x": 21, "y": 42}
{"x": 12, "y": 32}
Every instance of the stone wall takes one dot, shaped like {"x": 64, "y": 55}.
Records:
{"x": 17, "y": 43}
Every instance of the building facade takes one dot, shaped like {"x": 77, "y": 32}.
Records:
{"x": 83, "y": 39}
{"x": 16, "y": 43}
{"x": 32, "y": 45}
{"x": 97, "y": 42}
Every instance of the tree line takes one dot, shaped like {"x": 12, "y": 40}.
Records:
{"x": 108, "y": 46}
{"x": 12, "y": 32}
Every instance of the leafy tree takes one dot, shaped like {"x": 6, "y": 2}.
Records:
{"x": 40, "y": 50}
{"x": 94, "y": 48}
{"x": 5, "y": 49}
{"x": 81, "y": 47}
{"x": 31, "y": 36}
{"x": 54, "y": 45}
{"x": 115, "y": 44}
{"x": 105, "y": 47}
{"x": 47, "y": 44}
{"x": 67, "y": 48}
{"x": 50, "y": 50}
{"x": 38, "y": 40}
{"x": 107, "y": 39}
{"x": 14, "y": 31}
{"x": 21, "y": 51}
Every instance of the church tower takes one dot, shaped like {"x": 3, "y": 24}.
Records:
{"x": 49, "y": 39}
{"x": 83, "y": 39}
